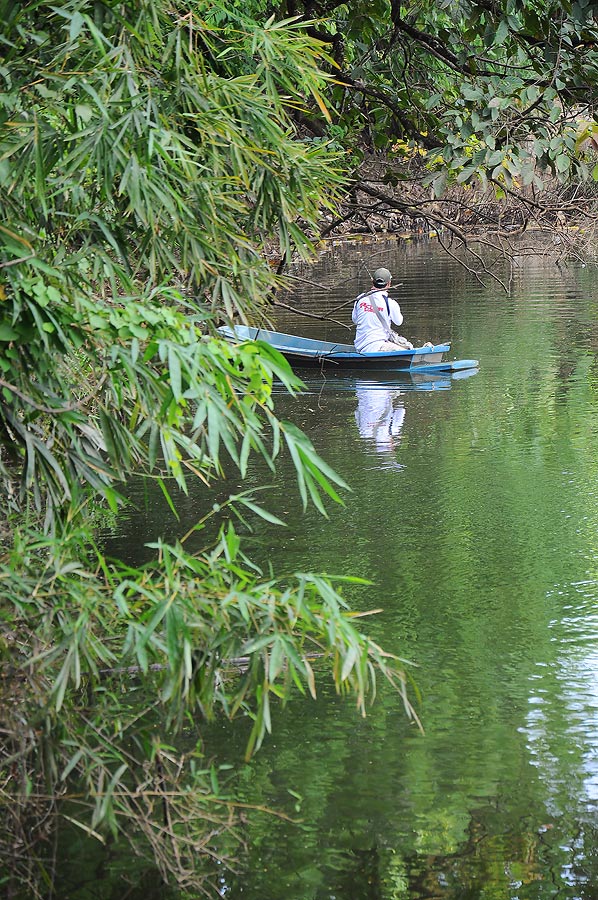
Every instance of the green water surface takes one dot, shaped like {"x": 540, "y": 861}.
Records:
{"x": 474, "y": 511}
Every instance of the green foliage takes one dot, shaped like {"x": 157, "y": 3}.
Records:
{"x": 494, "y": 93}
{"x": 147, "y": 155}
{"x": 158, "y": 140}
{"x": 515, "y": 110}
{"x": 186, "y": 636}
{"x": 135, "y": 148}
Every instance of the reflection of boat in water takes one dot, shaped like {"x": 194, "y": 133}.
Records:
{"x": 341, "y": 380}
{"x": 303, "y": 351}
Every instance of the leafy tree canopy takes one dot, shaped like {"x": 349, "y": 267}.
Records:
{"x": 498, "y": 96}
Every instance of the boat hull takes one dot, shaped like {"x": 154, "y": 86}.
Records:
{"x": 302, "y": 351}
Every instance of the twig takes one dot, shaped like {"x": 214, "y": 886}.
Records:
{"x": 69, "y": 407}
{"x": 318, "y": 284}
{"x": 238, "y": 661}
{"x": 469, "y": 269}
{"x": 15, "y": 262}
{"x": 301, "y": 312}
{"x": 50, "y": 410}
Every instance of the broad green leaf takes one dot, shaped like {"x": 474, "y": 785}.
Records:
{"x": 7, "y": 332}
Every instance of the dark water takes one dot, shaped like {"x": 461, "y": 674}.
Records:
{"x": 474, "y": 510}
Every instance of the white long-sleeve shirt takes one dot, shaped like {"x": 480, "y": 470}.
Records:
{"x": 370, "y": 332}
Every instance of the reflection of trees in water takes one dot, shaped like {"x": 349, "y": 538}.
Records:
{"x": 540, "y": 862}
{"x": 525, "y": 864}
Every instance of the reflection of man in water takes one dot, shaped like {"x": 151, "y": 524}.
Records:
{"x": 379, "y": 416}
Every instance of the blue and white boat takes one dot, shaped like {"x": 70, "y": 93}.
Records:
{"x": 302, "y": 351}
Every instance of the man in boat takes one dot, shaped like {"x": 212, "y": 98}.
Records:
{"x": 373, "y": 313}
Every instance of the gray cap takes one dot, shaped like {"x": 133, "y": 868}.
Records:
{"x": 381, "y": 277}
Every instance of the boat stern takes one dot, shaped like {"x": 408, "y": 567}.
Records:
{"x": 426, "y": 356}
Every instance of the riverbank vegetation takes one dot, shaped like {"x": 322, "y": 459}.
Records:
{"x": 472, "y": 119}
{"x": 151, "y": 156}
